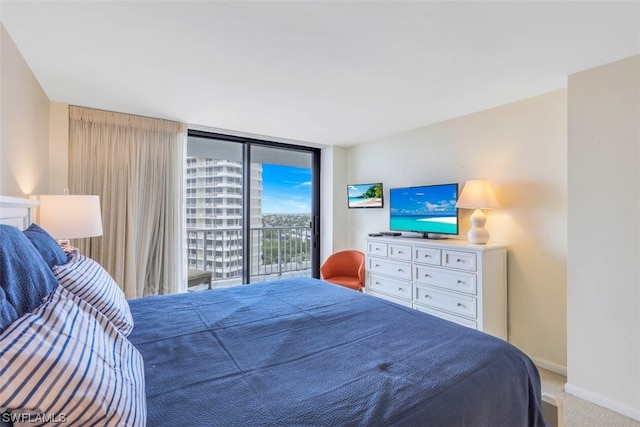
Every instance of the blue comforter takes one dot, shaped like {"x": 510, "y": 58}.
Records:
{"x": 302, "y": 352}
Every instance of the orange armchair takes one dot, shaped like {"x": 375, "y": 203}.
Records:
{"x": 345, "y": 268}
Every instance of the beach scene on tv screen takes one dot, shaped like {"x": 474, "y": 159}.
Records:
{"x": 424, "y": 209}
{"x": 365, "y": 195}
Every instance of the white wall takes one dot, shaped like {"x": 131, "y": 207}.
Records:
{"x": 24, "y": 125}
{"x": 58, "y": 147}
{"x": 521, "y": 148}
{"x": 604, "y": 236}
{"x": 333, "y": 221}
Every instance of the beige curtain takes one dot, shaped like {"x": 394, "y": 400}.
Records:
{"x": 135, "y": 165}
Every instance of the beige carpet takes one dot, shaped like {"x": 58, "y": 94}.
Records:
{"x": 580, "y": 413}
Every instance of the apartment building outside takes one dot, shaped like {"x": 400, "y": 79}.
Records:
{"x": 214, "y": 190}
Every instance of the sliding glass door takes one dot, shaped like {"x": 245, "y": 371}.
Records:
{"x": 252, "y": 209}
{"x": 283, "y": 242}
{"x": 214, "y": 208}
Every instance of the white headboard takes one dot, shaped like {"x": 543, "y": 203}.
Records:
{"x": 17, "y": 211}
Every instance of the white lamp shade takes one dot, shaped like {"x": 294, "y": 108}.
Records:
{"x": 477, "y": 194}
{"x": 71, "y": 216}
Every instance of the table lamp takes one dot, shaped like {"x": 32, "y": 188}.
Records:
{"x": 70, "y": 216}
{"x": 477, "y": 194}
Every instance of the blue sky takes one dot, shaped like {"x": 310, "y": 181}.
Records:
{"x": 358, "y": 189}
{"x": 285, "y": 189}
{"x": 424, "y": 200}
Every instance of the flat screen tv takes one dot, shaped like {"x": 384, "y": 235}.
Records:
{"x": 428, "y": 209}
{"x": 365, "y": 195}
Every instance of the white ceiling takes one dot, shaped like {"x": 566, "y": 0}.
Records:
{"x": 339, "y": 72}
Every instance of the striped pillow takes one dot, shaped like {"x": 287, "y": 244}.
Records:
{"x": 66, "y": 362}
{"x": 88, "y": 280}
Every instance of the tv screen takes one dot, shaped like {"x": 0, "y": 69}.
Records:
{"x": 365, "y": 195}
{"x": 428, "y": 209}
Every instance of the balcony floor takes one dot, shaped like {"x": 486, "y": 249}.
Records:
{"x": 228, "y": 283}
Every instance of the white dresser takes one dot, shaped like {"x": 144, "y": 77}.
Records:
{"x": 451, "y": 279}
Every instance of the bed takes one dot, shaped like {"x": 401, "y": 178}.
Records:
{"x": 294, "y": 352}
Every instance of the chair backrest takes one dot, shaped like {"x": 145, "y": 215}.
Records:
{"x": 344, "y": 263}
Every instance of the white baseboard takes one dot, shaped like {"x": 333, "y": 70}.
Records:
{"x": 585, "y": 394}
{"x": 549, "y": 366}
{"x": 602, "y": 401}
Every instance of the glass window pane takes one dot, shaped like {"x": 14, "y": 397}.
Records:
{"x": 280, "y": 156}
{"x": 214, "y": 208}
{"x": 213, "y": 149}
{"x": 281, "y": 242}
{"x": 278, "y": 240}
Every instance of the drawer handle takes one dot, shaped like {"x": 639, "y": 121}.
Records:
{"x": 377, "y": 283}
{"x": 400, "y": 252}
{"x": 377, "y": 265}
{"x": 427, "y": 256}
{"x": 427, "y": 296}
{"x": 460, "y": 281}
{"x": 401, "y": 270}
{"x": 458, "y": 260}
{"x": 400, "y": 289}
{"x": 426, "y": 275}
{"x": 376, "y": 249}
{"x": 460, "y": 304}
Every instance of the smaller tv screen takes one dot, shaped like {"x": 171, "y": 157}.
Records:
{"x": 365, "y": 196}
{"x": 426, "y": 209}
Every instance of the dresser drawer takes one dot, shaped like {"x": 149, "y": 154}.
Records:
{"x": 429, "y": 256}
{"x": 446, "y": 316}
{"x": 453, "y": 280}
{"x": 398, "y": 269}
{"x": 463, "y": 305}
{"x": 459, "y": 281}
{"x": 406, "y": 303}
{"x": 376, "y": 248}
{"x": 389, "y": 286}
{"x": 399, "y": 252}
{"x": 460, "y": 260}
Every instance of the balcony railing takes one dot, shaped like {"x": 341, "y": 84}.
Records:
{"x": 275, "y": 252}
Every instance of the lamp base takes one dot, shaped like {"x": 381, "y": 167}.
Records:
{"x": 478, "y": 234}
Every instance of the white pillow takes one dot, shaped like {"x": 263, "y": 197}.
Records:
{"x": 88, "y": 280}
{"x": 66, "y": 361}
